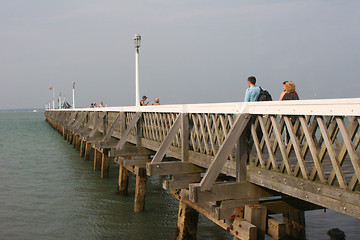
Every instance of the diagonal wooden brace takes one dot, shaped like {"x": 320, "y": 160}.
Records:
{"x": 128, "y": 130}
{"x": 98, "y": 122}
{"x": 112, "y": 128}
{"x": 225, "y": 150}
{"x": 168, "y": 140}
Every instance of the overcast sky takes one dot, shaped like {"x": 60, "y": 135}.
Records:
{"x": 191, "y": 52}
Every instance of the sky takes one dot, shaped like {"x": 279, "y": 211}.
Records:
{"x": 192, "y": 51}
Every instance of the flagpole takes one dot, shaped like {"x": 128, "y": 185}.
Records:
{"x": 53, "y": 98}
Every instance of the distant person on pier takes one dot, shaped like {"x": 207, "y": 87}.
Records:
{"x": 290, "y": 93}
{"x": 101, "y": 104}
{"x": 143, "y": 101}
{"x": 92, "y": 105}
{"x": 336, "y": 234}
{"x": 95, "y": 105}
{"x": 284, "y": 92}
{"x": 252, "y": 92}
{"x": 157, "y": 101}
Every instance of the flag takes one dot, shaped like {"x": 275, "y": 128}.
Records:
{"x": 51, "y": 88}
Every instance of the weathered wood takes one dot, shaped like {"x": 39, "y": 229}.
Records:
{"x": 140, "y": 193}
{"x": 185, "y": 137}
{"x": 82, "y": 147}
{"x": 168, "y": 140}
{"x": 295, "y": 225}
{"x": 187, "y": 222}
{"x": 128, "y": 130}
{"x": 130, "y": 150}
{"x": 256, "y": 215}
{"x": 227, "y": 190}
{"x": 320, "y": 194}
{"x": 97, "y": 159}
{"x": 123, "y": 183}
{"x": 105, "y": 161}
{"x": 276, "y": 229}
{"x": 225, "y": 149}
{"x": 181, "y": 181}
{"x": 87, "y": 153}
{"x": 171, "y": 168}
{"x": 243, "y": 230}
{"x": 112, "y": 128}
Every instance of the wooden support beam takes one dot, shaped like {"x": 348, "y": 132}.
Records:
{"x": 226, "y": 191}
{"x": 97, "y": 159}
{"x": 185, "y": 137}
{"x": 130, "y": 150}
{"x": 82, "y": 147}
{"x": 276, "y": 229}
{"x": 320, "y": 194}
{"x": 127, "y": 132}
{"x": 187, "y": 222}
{"x": 295, "y": 225}
{"x": 171, "y": 168}
{"x": 228, "y": 208}
{"x": 256, "y": 214}
{"x": 140, "y": 193}
{"x": 243, "y": 230}
{"x": 225, "y": 149}
{"x": 98, "y": 122}
{"x": 123, "y": 183}
{"x": 181, "y": 181}
{"x": 87, "y": 152}
{"x": 168, "y": 140}
{"x": 105, "y": 161}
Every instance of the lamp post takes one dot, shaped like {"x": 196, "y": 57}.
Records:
{"x": 137, "y": 41}
{"x": 73, "y": 93}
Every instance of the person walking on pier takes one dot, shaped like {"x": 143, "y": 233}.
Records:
{"x": 157, "y": 101}
{"x": 252, "y": 92}
{"x": 290, "y": 94}
{"x": 143, "y": 101}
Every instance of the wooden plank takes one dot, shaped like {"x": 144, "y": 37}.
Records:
{"x": 224, "y": 151}
{"x": 331, "y": 152}
{"x": 276, "y": 228}
{"x": 317, "y": 193}
{"x": 226, "y": 191}
{"x": 171, "y": 168}
{"x": 128, "y": 130}
{"x": 112, "y": 128}
{"x": 243, "y": 230}
{"x": 98, "y": 122}
{"x": 187, "y": 222}
{"x": 166, "y": 143}
{"x": 181, "y": 181}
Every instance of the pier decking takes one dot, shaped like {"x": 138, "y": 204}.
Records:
{"x": 235, "y": 163}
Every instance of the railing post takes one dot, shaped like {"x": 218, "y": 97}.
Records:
{"x": 185, "y": 140}
{"x": 139, "y": 132}
{"x": 242, "y": 157}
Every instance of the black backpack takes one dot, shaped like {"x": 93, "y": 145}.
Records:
{"x": 264, "y": 95}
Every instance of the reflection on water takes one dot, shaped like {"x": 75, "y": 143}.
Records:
{"x": 49, "y": 192}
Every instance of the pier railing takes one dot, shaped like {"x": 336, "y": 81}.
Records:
{"x": 305, "y": 149}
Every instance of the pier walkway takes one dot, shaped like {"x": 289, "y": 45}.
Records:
{"x": 236, "y": 163}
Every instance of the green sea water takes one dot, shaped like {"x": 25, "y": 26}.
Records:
{"x": 47, "y": 191}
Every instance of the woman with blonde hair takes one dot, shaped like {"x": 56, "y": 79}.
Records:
{"x": 290, "y": 93}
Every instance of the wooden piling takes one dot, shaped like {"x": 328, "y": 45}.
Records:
{"x": 123, "y": 182}
{"x": 87, "y": 151}
{"x": 187, "y": 222}
{"x": 82, "y": 147}
{"x": 256, "y": 214}
{"x": 140, "y": 190}
{"x": 105, "y": 161}
{"x": 295, "y": 224}
{"x": 97, "y": 159}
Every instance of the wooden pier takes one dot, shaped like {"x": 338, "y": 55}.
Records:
{"x": 237, "y": 164}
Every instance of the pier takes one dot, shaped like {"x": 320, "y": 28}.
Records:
{"x": 238, "y": 164}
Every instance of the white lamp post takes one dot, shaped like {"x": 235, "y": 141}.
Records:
{"x": 137, "y": 41}
{"x": 73, "y": 93}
